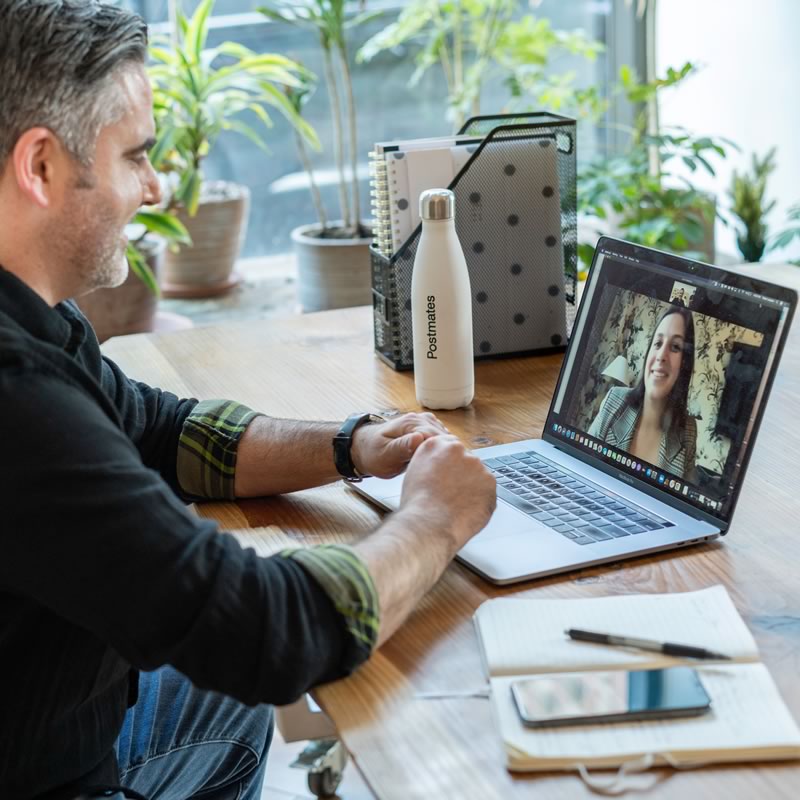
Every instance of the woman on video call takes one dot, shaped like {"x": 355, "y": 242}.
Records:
{"x": 650, "y": 421}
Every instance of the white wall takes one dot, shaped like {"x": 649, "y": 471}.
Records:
{"x": 748, "y": 91}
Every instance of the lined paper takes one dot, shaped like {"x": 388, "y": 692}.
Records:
{"x": 522, "y": 636}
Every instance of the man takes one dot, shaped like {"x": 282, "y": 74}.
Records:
{"x": 104, "y": 572}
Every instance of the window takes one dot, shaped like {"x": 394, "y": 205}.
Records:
{"x": 387, "y": 107}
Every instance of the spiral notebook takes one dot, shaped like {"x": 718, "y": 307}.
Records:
{"x": 401, "y": 171}
{"x": 748, "y": 720}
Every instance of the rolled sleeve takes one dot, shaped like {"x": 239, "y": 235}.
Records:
{"x": 343, "y": 576}
{"x": 207, "y": 448}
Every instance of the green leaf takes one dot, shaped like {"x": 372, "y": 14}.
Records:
{"x": 183, "y": 23}
{"x": 261, "y": 113}
{"x": 276, "y": 13}
{"x": 249, "y": 61}
{"x": 188, "y": 76}
{"x": 141, "y": 269}
{"x": 279, "y": 100}
{"x": 413, "y": 20}
{"x": 165, "y": 141}
{"x": 362, "y": 19}
{"x": 586, "y": 253}
{"x": 196, "y": 34}
{"x": 247, "y": 71}
{"x": 245, "y": 130}
{"x": 162, "y": 54}
{"x": 784, "y": 238}
{"x": 188, "y": 192}
{"x": 164, "y": 224}
{"x": 707, "y": 166}
{"x": 303, "y": 15}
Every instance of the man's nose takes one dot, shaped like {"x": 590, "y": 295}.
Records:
{"x": 152, "y": 189}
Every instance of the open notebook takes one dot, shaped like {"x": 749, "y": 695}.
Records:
{"x": 748, "y": 720}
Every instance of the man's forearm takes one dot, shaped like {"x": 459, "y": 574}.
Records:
{"x": 405, "y": 557}
{"x": 280, "y": 455}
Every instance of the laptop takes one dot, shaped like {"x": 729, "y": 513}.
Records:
{"x": 651, "y": 425}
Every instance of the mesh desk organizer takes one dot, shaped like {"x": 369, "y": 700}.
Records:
{"x": 516, "y": 219}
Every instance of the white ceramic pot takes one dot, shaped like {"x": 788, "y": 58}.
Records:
{"x": 331, "y": 272}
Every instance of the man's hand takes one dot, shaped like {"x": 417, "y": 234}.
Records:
{"x": 451, "y": 487}
{"x": 384, "y": 450}
{"x": 448, "y": 496}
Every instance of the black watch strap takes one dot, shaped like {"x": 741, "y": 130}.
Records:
{"x": 343, "y": 442}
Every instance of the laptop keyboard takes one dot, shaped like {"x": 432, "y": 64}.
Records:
{"x": 577, "y": 509}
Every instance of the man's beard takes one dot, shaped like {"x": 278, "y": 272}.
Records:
{"x": 90, "y": 246}
{"x": 107, "y": 270}
{"x": 101, "y": 264}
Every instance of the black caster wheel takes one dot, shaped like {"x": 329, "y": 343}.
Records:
{"x": 324, "y": 783}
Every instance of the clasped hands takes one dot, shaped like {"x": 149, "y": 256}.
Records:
{"x": 384, "y": 449}
{"x": 446, "y": 481}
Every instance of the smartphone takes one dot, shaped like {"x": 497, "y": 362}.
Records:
{"x": 578, "y": 698}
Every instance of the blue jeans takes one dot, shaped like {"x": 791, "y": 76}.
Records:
{"x": 179, "y": 742}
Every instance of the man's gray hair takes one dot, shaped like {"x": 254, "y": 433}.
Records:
{"x": 58, "y": 60}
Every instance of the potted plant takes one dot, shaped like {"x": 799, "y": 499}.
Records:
{"x": 474, "y": 41}
{"x": 333, "y": 258}
{"x": 198, "y": 93}
{"x": 131, "y": 307}
{"x": 749, "y": 206}
{"x": 638, "y": 194}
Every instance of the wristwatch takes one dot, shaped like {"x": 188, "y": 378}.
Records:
{"x": 343, "y": 442}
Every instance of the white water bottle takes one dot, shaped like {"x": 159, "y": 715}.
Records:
{"x": 441, "y": 308}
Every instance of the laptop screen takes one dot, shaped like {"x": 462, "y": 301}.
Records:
{"x": 667, "y": 372}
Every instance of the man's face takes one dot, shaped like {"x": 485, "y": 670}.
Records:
{"x": 99, "y": 201}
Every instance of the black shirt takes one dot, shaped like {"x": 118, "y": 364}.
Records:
{"x": 104, "y": 571}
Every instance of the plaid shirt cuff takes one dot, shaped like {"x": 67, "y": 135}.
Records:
{"x": 344, "y": 578}
{"x": 207, "y": 449}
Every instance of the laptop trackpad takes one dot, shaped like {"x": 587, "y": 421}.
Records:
{"x": 506, "y": 520}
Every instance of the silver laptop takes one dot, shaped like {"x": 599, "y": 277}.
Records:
{"x": 651, "y": 425}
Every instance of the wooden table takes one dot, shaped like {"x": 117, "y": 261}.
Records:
{"x": 322, "y": 366}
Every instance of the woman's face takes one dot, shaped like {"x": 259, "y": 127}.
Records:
{"x": 663, "y": 363}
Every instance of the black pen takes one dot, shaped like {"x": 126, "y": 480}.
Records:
{"x": 667, "y": 648}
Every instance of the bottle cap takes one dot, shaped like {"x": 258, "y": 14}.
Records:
{"x": 437, "y": 204}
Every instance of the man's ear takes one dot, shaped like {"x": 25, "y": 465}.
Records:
{"x": 38, "y": 159}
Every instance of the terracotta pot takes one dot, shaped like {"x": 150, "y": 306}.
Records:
{"x": 205, "y": 268}
{"x": 331, "y": 273}
{"x": 130, "y": 307}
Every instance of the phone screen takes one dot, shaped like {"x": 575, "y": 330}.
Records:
{"x": 578, "y": 697}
